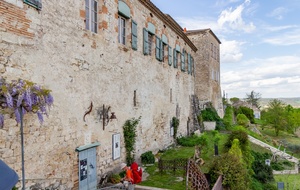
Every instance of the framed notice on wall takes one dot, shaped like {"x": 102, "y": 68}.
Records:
{"x": 116, "y": 142}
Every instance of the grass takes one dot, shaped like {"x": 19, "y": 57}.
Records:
{"x": 291, "y": 182}
{"x": 165, "y": 180}
{"x": 283, "y": 138}
{"x": 169, "y": 180}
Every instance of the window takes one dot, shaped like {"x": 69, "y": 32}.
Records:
{"x": 175, "y": 58}
{"x": 215, "y": 52}
{"x": 150, "y": 40}
{"x": 183, "y": 60}
{"x": 148, "y": 34}
{"x": 35, "y": 3}
{"x": 121, "y": 30}
{"x": 165, "y": 47}
{"x": 91, "y": 21}
{"x": 212, "y": 50}
{"x": 159, "y": 49}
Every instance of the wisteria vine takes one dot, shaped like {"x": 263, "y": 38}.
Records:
{"x": 24, "y": 95}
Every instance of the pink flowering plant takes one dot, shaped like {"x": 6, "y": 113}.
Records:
{"x": 23, "y": 96}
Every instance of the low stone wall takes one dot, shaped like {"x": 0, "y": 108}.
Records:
{"x": 209, "y": 125}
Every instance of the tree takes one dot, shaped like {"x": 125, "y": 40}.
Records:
{"x": 234, "y": 173}
{"x": 275, "y": 115}
{"x": 234, "y": 100}
{"x": 21, "y": 97}
{"x": 253, "y": 98}
{"x": 293, "y": 118}
{"x": 242, "y": 120}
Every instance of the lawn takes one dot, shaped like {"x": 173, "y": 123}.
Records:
{"x": 283, "y": 140}
{"x": 291, "y": 182}
{"x": 176, "y": 181}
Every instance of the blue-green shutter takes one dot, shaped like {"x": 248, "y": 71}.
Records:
{"x": 123, "y": 9}
{"x": 183, "y": 60}
{"x": 134, "y": 35}
{"x": 35, "y": 3}
{"x": 158, "y": 49}
{"x": 145, "y": 44}
{"x": 192, "y": 66}
{"x": 175, "y": 58}
{"x": 170, "y": 55}
{"x": 189, "y": 63}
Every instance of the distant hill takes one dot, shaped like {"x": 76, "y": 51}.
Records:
{"x": 295, "y": 102}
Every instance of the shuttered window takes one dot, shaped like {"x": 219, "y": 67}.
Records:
{"x": 134, "y": 35}
{"x": 145, "y": 42}
{"x": 175, "y": 58}
{"x": 158, "y": 49}
{"x": 183, "y": 60}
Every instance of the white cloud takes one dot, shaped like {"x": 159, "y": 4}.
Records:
{"x": 278, "y": 13}
{"x": 279, "y": 28}
{"x": 232, "y": 18}
{"x": 285, "y": 39}
{"x": 272, "y": 77}
{"x": 231, "y": 51}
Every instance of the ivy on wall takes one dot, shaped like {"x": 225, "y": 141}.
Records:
{"x": 129, "y": 132}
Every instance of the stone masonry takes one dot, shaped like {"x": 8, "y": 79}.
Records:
{"x": 207, "y": 72}
{"x": 53, "y": 48}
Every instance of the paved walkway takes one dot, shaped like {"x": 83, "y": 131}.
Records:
{"x": 279, "y": 153}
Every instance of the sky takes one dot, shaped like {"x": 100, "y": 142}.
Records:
{"x": 260, "y": 48}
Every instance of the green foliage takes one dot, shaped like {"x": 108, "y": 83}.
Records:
{"x": 234, "y": 100}
{"x": 210, "y": 114}
{"x": 217, "y": 136}
{"x": 148, "y": 158}
{"x": 228, "y": 117}
{"x": 175, "y": 124}
{"x": 246, "y": 111}
{"x": 234, "y": 173}
{"x": 129, "y": 132}
{"x": 193, "y": 140}
{"x": 236, "y": 150}
{"x": 242, "y": 136}
{"x": 114, "y": 178}
{"x": 275, "y": 115}
{"x": 242, "y": 120}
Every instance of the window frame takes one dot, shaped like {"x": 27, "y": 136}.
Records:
{"x": 121, "y": 30}
{"x": 91, "y": 15}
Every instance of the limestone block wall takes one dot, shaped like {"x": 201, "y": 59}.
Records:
{"x": 51, "y": 47}
{"x": 207, "y": 68}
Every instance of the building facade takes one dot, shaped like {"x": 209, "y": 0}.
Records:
{"x": 101, "y": 60}
{"x": 207, "y": 71}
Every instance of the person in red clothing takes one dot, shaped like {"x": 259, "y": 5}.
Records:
{"x": 137, "y": 173}
{"x": 128, "y": 177}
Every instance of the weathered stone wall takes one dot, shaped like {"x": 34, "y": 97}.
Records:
{"x": 207, "y": 69}
{"x": 51, "y": 47}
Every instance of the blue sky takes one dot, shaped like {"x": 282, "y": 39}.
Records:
{"x": 260, "y": 47}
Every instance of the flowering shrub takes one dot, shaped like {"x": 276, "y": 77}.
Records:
{"x": 21, "y": 95}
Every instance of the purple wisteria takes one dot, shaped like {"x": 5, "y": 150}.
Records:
{"x": 23, "y": 95}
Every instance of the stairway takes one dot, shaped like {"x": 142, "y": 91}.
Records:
{"x": 280, "y": 153}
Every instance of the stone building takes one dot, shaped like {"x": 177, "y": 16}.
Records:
{"x": 207, "y": 71}
{"x": 111, "y": 58}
